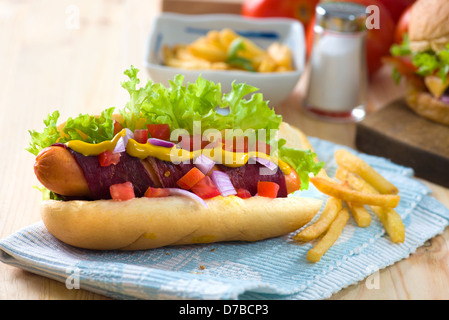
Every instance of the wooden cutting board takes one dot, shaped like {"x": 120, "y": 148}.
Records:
{"x": 202, "y": 6}
{"x": 397, "y": 133}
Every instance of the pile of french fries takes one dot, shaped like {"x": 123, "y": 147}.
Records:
{"x": 226, "y": 50}
{"x": 356, "y": 187}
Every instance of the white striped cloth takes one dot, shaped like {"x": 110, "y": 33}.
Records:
{"x": 270, "y": 269}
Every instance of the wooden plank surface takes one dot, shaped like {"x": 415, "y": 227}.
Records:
{"x": 408, "y": 139}
{"x": 70, "y": 55}
{"x": 202, "y": 6}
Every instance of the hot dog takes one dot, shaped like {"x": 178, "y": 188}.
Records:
{"x": 58, "y": 171}
{"x": 112, "y": 189}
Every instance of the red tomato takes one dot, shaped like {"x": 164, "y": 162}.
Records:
{"x": 243, "y": 193}
{"x": 302, "y": 10}
{"x": 292, "y": 182}
{"x": 156, "y": 192}
{"x": 403, "y": 65}
{"x": 141, "y": 135}
{"x": 191, "y": 178}
{"x": 122, "y": 191}
{"x": 191, "y": 143}
{"x": 267, "y": 189}
{"x": 117, "y": 127}
{"x": 159, "y": 131}
{"x": 309, "y": 37}
{"x": 402, "y": 25}
{"x": 238, "y": 144}
{"x": 205, "y": 188}
{"x": 396, "y": 7}
{"x": 107, "y": 158}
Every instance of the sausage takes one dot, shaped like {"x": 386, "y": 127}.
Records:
{"x": 59, "y": 169}
{"x": 59, "y": 172}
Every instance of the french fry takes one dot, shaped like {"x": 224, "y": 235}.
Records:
{"x": 207, "y": 51}
{"x": 360, "y": 214}
{"x": 392, "y": 223}
{"x": 334, "y": 231}
{"x": 226, "y": 37}
{"x": 358, "y": 211}
{"x": 266, "y": 65}
{"x": 330, "y": 211}
{"x": 333, "y": 189}
{"x": 390, "y": 219}
{"x": 364, "y": 170}
{"x": 213, "y": 51}
{"x": 282, "y": 55}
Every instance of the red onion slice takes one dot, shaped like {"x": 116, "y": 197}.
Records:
{"x": 204, "y": 163}
{"x": 223, "y": 183}
{"x": 161, "y": 143}
{"x": 191, "y": 195}
{"x": 123, "y": 141}
{"x": 269, "y": 168}
{"x": 267, "y": 163}
{"x": 120, "y": 146}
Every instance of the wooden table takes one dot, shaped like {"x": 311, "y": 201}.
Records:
{"x": 70, "y": 56}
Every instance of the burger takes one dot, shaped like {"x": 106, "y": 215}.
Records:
{"x": 423, "y": 60}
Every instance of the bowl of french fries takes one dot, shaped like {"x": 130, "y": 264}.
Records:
{"x": 267, "y": 53}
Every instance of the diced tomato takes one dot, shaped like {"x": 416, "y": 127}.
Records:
{"x": 205, "y": 188}
{"x": 159, "y": 131}
{"x": 403, "y": 65}
{"x": 141, "y": 135}
{"x": 192, "y": 143}
{"x": 107, "y": 158}
{"x": 238, "y": 144}
{"x": 156, "y": 192}
{"x": 117, "y": 127}
{"x": 267, "y": 189}
{"x": 190, "y": 178}
{"x": 292, "y": 181}
{"x": 122, "y": 191}
{"x": 243, "y": 193}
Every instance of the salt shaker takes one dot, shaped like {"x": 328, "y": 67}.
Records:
{"x": 338, "y": 71}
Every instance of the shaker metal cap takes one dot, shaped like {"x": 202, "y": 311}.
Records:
{"x": 341, "y": 16}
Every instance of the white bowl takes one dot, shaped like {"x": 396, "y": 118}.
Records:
{"x": 170, "y": 29}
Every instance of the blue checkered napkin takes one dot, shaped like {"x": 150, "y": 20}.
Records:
{"x": 270, "y": 269}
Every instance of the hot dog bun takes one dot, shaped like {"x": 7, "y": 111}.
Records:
{"x": 145, "y": 223}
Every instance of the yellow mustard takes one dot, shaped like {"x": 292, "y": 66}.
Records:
{"x": 173, "y": 154}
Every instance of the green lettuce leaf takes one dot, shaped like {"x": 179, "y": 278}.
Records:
{"x": 90, "y": 128}
{"x": 302, "y": 161}
{"x": 50, "y": 135}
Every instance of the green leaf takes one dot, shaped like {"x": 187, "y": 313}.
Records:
{"x": 132, "y": 110}
{"x": 90, "y": 128}
{"x": 303, "y": 161}
{"x": 49, "y": 136}
{"x": 402, "y": 49}
{"x": 234, "y": 59}
{"x": 47, "y": 194}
